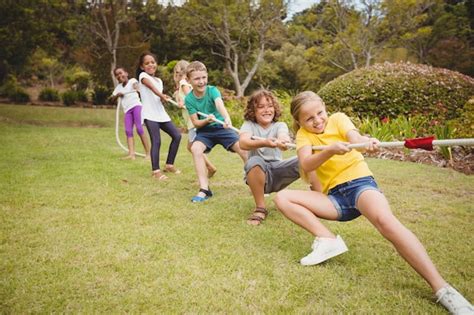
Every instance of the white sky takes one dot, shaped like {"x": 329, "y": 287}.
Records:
{"x": 294, "y": 6}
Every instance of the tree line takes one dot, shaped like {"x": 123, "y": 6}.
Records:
{"x": 245, "y": 44}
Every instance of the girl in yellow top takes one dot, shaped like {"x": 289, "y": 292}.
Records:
{"x": 347, "y": 190}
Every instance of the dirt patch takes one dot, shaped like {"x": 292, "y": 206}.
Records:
{"x": 462, "y": 157}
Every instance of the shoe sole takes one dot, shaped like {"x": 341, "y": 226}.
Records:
{"x": 328, "y": 255}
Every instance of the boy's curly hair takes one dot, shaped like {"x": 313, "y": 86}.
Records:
{"x": 253, "y": 101}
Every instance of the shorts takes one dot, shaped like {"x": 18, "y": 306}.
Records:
{"x": 213, "y": 135}
{"x": 344, "y": 196}
{"x": 278, "y": 174}
{"x": 191, "y": 135}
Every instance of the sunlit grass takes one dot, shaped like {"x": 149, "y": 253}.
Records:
{"x": 84, "y": 231}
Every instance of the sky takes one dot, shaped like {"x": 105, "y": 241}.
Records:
{"x": 294, "y": 6}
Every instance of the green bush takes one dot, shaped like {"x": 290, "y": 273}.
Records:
{"x": 393, "y": 89}
{"x": 464, "y": 124}
{"x": 49, "y": 95}
{"x": 18, "y": 95}
{"x": 81, "y": 96}
{"x": 77, "y": 78}
{"x": 69, "y": 97}
{"x": 100, "y": 95}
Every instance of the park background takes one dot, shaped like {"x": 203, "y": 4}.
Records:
{"x": 83, "y": 231}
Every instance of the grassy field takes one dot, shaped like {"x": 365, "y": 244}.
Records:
{"x": 84, "y": 231}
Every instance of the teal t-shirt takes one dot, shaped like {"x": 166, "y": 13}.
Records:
{"x": 205, "y": 104}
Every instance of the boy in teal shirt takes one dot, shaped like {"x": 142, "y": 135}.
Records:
{"x": 207, "y": 100}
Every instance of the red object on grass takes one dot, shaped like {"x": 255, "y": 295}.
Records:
{"x": 425, "y": 143}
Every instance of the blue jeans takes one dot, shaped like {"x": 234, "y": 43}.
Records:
{"x": 344, "y": 196}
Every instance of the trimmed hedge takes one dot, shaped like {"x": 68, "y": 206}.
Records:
{"x": 393, "y": 89}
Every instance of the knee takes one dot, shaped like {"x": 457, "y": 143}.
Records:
{"x": 129, "y": 133}
{"x": 177, "y": 137}
{"x": 196, "y": 150}
{"x": 281, "y": 199}
{"x": 387, "y": 225}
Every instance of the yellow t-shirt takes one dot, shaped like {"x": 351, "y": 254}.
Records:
{"x": 339, "y": 168}
{"x": 181, "y": 95}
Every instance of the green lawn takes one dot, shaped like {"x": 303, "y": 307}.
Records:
{"x": 84, "y": 231}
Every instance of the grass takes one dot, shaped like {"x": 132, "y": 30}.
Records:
{"x": 83, "y": 231}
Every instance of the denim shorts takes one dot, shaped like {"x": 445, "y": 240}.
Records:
{"x": 216, "y": 134}
{"x": 344, "y": 196}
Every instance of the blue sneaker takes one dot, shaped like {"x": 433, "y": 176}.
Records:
{"x": 208, "y": 194}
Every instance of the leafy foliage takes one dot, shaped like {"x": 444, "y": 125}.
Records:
{"x": 393, "y": 89}
{"x": 69, "y": 97}
{"x": 100, "y": 95}
{"x": 49, "y": 95}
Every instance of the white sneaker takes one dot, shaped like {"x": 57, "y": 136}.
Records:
{"x": 454, "y": 302}
{"x": 323, "y": 249}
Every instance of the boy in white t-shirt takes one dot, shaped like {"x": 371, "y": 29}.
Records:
{"x": 132, "y": 108}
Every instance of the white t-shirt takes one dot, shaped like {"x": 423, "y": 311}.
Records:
{"x": 130, "y": 96}
{"x": 152, "y": 109}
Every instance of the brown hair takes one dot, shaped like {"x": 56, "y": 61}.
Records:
{"x": 298, "y": 101}
{"x": 195, "y": 66}
{"x": 253, "y": 101}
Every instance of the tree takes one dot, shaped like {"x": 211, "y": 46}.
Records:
{"x": 241, "y": 30}
{"x": 107, "y": 18}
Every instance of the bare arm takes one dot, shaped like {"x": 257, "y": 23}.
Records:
{"x": 199, "y": 123}
{"x": 247, "y": 143}
{"x": 149, "y": 84}
{"x": 223, "y": 111}
{"x": 355, "y": 137}
{"x": 309, "y": 161}
{"x": 186, "y": 90}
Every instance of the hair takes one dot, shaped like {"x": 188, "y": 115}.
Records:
{"x": 180, "y": 68}
{"x": 140, "y": 62}
{"x": 119, "y": 67}
{"x": 195, "y": 66}
{"x": 298, "y": 101}
{"x": 249, "y": 113}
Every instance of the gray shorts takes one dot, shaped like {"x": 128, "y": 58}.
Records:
{"x": 278, "y": 174}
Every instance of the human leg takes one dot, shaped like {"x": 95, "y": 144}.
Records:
{"x": 256, "y": 182}
{"x": 153, "y": 128}
{"x": 374, "y": 206}
{"x": 175, "y": 135}
{"x": 128, "y": 122}
{"x": 305, "y": 208}
{"x": 197, "y": 149}
{"x": 137, "y": 120}
{"x": 242, "y": 153}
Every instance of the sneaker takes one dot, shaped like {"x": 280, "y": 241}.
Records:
{"x": 323, "y": 249}
{"x": 454, "y": 302}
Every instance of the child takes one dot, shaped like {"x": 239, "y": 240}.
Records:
{"x": 155, "y": 115}
{"x": 265, "y": 169}
{"x": 349, "y": 190}
{"x": 183, "y": 88}
{"x": 207, "y": 99}
{"x": 132, "y": 108}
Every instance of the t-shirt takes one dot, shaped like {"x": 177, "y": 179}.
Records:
{"x": 181, "y": 95}
{"x": 152, "y": 109}
{"x": 273, "y": 131}
{"x": 206, "y": 104}
{"x": 130, "y": 97}
{"x": 339, "y": 168}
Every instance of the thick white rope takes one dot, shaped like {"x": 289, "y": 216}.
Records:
{"x": 117, "y": 118}
{"x": 393, "y": 144}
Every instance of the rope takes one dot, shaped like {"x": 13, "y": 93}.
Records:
{"x": 117, "y": 138}
{"x": 393, "y": 144}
